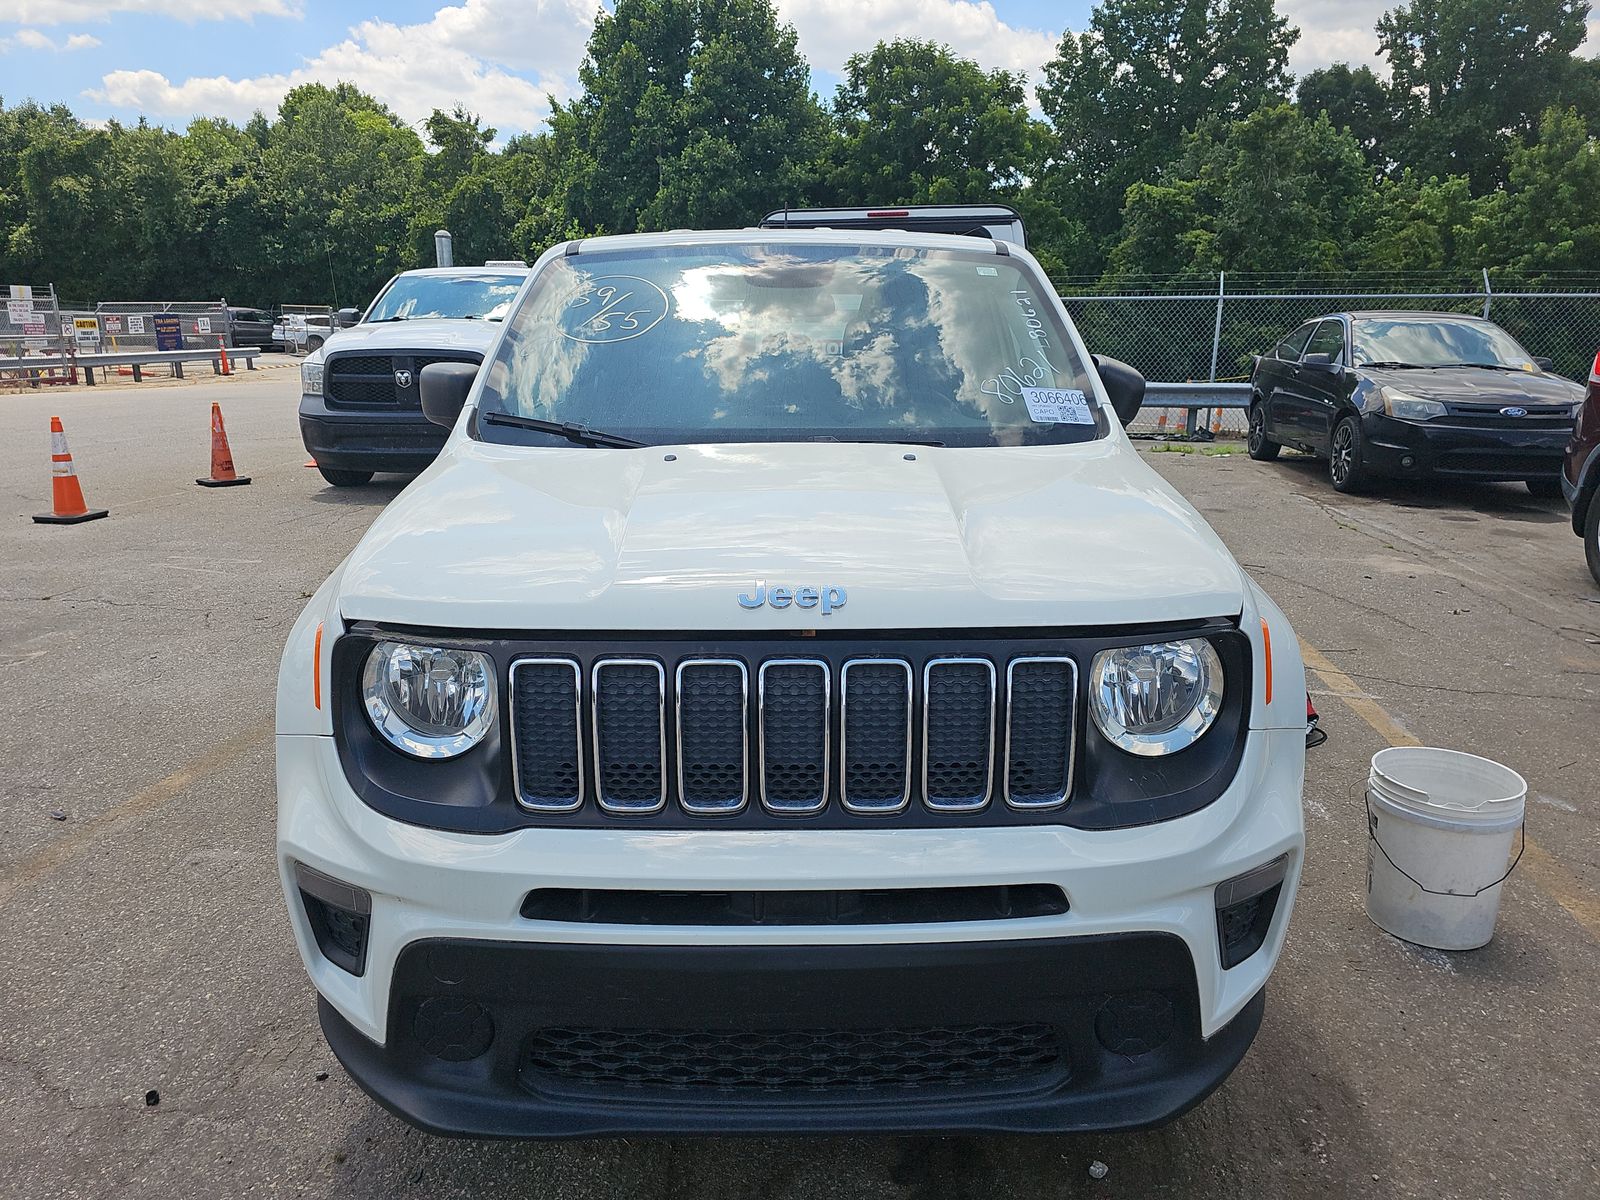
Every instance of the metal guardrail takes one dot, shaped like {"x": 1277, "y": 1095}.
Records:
{"x": 1197, "y": 395}
{"x": 137, "y": 359}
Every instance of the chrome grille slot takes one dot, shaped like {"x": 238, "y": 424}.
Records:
{"x": 794, "y": 713}
{"x": 958, "y": 696}
{"x": 1041, "y": 695}
{"x": 545, "y": 705}
{"x": 875, "y": 741}
{"x": 713, "y": 697}
{"x": 630, "y": 745}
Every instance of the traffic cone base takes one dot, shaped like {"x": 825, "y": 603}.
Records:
{"x": 88, "y": 514}
{"x": 66, "y": 493}
{"x": 222, "y": 472}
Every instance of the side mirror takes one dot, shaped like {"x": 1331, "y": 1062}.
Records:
{"x": 444, "y": 388}
{"x": 1124, "y": 386}
{"x": 347, "y": 317}
{"x": 1323, "y": 362}
{"x": 1543, "y": 363}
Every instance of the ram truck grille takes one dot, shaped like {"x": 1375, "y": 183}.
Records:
{"x": 793, "y": 735}
{"x": 380, "y": 381}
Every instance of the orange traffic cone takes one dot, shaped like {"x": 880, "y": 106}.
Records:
{"x": 222, "y": 472}
{"x": 222, "y": 353}
{"x": 66, "y": 497}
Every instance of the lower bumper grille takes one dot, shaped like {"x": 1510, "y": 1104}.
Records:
{"x": 793, "y": 1060}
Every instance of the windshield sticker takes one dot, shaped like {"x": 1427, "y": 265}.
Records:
{"x": 1057, "y": 406}
{"x": 1030, "y": 371}
{"x": 988, "y": 271}
{"x": 1030, "y": 314}
{"x": 614, "y": 308}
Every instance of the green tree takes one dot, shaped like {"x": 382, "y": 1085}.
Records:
{"x": 1470, "y": 78}
{"x": 1548, "y": 217}
{"x": 919, "y": 124}
{"x": 1275, "y": 191}
{"x": 1121, "y": 96}
{"x": 1355, "y": 99}
{"x": 693, "y": 112}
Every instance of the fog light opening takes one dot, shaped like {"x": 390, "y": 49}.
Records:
{"x": 1245, "y": 907}
{"x": 456, "y": 1030}
{"x": 339, "y": 914}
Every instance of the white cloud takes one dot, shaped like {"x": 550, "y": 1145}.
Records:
{"x": 67, "y": 12}
{"x": 458, "y": 57}
{"x": 32, "y": 39}
{"x": 832, "y": 30}
{"x": 1335, "y": 31}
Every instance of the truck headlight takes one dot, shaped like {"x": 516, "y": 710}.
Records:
{"x": 311, "y": 379}
{"x": 429, "y": 701}
{"x": 1409, "y": 408}
{"x": 1157, "y": 699}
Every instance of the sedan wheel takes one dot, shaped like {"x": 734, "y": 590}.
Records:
{"x": 1346, "y": 468}
{"x": 1261, "y": 447}
{"x": 1591, "y": 537}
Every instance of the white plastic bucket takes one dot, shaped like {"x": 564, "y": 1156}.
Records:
{"x": 1440, "y": 827}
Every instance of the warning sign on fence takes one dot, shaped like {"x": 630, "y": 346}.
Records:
{"x": 19, "y": 312}
{"x": 86, "y": 330}
{"x": 169, "y": 333}
{"x": 135, "y": 322}
{"x": 202, "y": 325}
{"x": 113, "y": 323}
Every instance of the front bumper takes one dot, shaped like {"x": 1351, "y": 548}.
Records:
{"x": 1445, "y": 446}
{"x": 369, "y": 439}
{"x": 1140, "y": 935}
{"x": 1016, "y": 1037}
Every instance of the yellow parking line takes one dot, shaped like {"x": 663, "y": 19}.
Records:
{"x": 66, "y": 848}
{"x": 1565, "y": 888}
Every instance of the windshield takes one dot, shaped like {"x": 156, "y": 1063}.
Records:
{"x": 1435, "y": 342}
{"x": 774, "y": 342}
{"x": 413, "y": 297}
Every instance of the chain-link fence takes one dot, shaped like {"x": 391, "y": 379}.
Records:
{"x": 133, "y": 324}
{"x": 1177, "y": 333}
{"x": 30, "y": 323}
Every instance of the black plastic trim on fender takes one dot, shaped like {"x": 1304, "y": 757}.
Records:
{"x": 525, "y": 991}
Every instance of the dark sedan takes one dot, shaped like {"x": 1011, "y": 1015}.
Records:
{"x": 1410, "y": 394}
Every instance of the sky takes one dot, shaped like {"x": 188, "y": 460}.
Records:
{"x": 170, "y": 60}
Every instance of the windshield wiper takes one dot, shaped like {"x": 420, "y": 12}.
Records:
{"x": 1480, "y": 366}
{"x": 381, "y": 320}
{"x": 578, "y": 434}
{"x": 1396, "y": 366}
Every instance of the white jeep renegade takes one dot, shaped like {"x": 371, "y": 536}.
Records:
{"x": 788, "y": 703}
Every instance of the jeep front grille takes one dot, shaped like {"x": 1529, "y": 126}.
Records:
{"x": 793, "y": 736}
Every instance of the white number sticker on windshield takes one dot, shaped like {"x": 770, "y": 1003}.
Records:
{"x": 1058, "y": 406}
{"x": 614, "y": 308}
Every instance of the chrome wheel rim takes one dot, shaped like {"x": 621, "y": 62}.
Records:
{"x": 1256, "y": 429}
{"x": 1340, "y": 460}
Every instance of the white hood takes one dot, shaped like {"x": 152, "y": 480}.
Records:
{"x": 516, "y": 538}
{"x": 432, "y": 333}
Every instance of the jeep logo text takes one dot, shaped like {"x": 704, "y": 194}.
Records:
{"x": 825, "y": 598}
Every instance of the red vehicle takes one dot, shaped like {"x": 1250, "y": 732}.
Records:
{"x": 1580, "y": 472}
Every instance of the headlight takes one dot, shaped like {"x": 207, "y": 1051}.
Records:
{"x": 1156, "y": 699}
{"x": 311, "y": 379}
{"x": 429, "y": 701}
{"x": 1409, "y": 408}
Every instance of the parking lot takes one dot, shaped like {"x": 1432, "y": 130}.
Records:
{"x": 160, "y": 1036}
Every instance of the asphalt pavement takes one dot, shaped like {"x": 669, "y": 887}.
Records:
{"x": 158, "y": 1036}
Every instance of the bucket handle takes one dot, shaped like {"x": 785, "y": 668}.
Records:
{"x": 1372, "y": 832}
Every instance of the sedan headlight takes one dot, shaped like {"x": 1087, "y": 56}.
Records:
{"x": 429, "y": 701}
{"x": 311, "y": 379}
{"x": 1409, "y": 408}
{"x": 1157, "y": 699}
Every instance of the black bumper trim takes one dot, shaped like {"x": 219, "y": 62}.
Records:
{"x": 1077, "y": 986}
{"x": 370, "y": 441}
